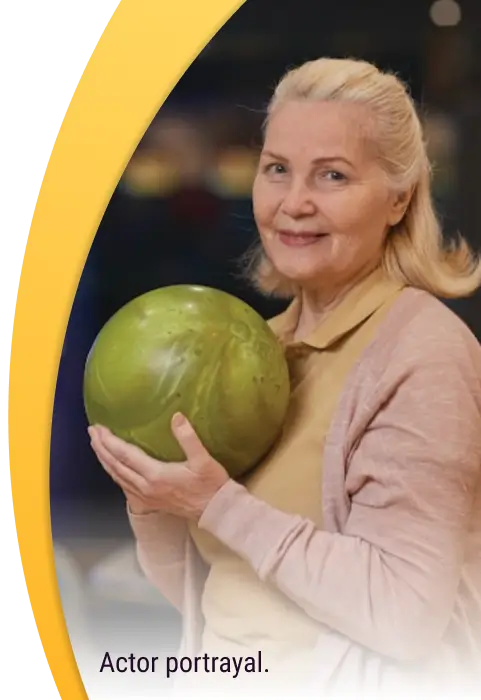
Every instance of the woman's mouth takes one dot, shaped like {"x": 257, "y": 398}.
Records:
{"x": 299, "y": 239}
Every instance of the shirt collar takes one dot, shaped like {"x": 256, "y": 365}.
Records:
{"x": 360, "y": 303}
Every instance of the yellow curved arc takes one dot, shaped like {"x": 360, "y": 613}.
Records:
{"x": 145, "y": 49}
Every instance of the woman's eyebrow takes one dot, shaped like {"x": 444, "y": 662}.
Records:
{"x": 316, "y": 161}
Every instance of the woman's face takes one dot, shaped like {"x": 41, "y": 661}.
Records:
{"x": 321, "y": 201}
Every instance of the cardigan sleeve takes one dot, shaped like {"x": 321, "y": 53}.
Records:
{"x": 389, "y": 580}
{"x": 161, "y": 541}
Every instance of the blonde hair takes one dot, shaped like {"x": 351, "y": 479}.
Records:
{"x": 415, "y": 252}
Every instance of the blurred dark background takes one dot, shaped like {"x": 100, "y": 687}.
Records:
{"x": 182, "y": 213}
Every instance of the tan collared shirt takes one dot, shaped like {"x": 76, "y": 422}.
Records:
{"x": 240, "y": 611}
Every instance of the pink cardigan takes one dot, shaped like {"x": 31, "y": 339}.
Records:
{"x": 395, "y": 577}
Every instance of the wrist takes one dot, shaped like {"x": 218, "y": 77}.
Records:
{"x": 136, "y": 509}
{"x": 206, "y": 506}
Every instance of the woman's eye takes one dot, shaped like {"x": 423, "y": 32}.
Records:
{"x": 334, "y": 175}
{"x": 275, "y": 169}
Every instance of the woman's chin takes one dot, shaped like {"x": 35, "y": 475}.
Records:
{"x": 303, "y": 276}
{"x": 299, "y": 265}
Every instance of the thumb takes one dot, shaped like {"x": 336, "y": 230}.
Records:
{"x": 195, "y": 452}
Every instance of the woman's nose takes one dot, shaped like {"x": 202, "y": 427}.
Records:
{"x": 298, "y": 201}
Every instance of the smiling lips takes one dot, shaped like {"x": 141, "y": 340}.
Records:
{"x": 299, "y": 240}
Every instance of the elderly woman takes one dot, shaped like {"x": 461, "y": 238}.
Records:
{"x": 356, "y": 543}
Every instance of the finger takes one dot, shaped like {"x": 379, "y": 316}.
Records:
{"x": 126, "y": 488}
{"x": 195, "y": 452}
{"x": 105, "y": 463}
{"x": 129, "y": 455}
{"x": 118, "y": 471}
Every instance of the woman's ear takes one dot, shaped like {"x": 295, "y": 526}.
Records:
{"x": 399, "y": 205}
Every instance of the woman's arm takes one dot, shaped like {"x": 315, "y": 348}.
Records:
{"x": 389, "y": 581}
{"x": 161, "y": 498}
{"x": 161, "y": 545}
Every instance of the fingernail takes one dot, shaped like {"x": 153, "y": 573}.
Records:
{"x": 178, "y": 420}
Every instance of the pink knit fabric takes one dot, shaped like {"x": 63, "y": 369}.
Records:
{"x": 395, "y": 577}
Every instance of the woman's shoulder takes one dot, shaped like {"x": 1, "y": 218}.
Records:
{"x": 424, "y": 357}
{"x": 421, "y": 328}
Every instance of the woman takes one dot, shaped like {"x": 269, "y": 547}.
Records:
{"x": 352, "y": 552}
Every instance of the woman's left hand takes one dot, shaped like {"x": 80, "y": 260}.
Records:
{"x": 180, "y": 488}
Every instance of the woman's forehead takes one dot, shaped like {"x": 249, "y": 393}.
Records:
{"x": 318, "y": 126}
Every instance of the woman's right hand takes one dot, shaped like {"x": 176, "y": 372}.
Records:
{"x": 136, "y": 504}
{"x": 183, "y": 489}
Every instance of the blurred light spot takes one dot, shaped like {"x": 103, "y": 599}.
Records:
{"x": 150, "y": 176}
{"x": 236, "y": 169}
{"x": 445, "y": 13}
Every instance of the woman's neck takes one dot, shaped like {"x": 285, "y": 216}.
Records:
{"x": 316, "y": 304}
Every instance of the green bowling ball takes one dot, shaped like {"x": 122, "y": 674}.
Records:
{"x": 199, "y": 351}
